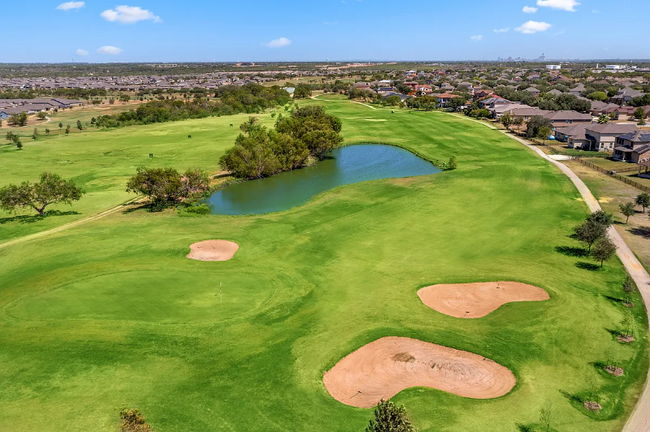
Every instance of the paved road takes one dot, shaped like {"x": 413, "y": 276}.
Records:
{"x": 639, "y": 421}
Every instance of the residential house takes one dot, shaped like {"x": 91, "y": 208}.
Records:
{"x": 492, "y": 102}
{"x": 499, "y": 110}
{"x": 562, "y": 118}
{"x": 633, "y": 147}
{"x": 577, "y": 90}
{"x": 626, "y": 95}
{"x": 555, "y": 92}
{"x": 526, "y": 113}
{"x": 533, "y": 91}
{"x": 444, "y": 98}
{"x": 573, "y": 135}
{"x": 602, "y": 137}
{"x": 480, "y": 94}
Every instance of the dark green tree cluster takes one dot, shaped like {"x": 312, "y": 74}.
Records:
{"x": 426, "y": 103}
{"x": 390, "y": 417}
{"x": 51, "y": 189}
{"x": 593, "y": 234}
{"x": 18, "y": 119}
{"x": 546, "y": 101}
{"x": 261, "y": 152}
{"x": 538, "y": 127}
{"x": 302, "y": 91}
{"x": 250, "y": 98}
{"x": 166, "y": 187}
{"x": 15, "y": 139}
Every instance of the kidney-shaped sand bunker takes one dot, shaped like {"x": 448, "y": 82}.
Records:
{"x": 389, "y": 365}
{"x": 213, "y": 250}
{"x": 475, "y": 300}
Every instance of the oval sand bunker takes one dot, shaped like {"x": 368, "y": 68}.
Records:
{"x": 475, "y": 300}
{"x": 213, "y": 250}
{"x": 389, "y": 365}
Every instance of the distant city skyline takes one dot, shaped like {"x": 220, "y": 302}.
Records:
{"x": 348, "y": 30}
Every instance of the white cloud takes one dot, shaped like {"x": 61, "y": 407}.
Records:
{"x": 109, "y": 50}
{"x": 503, "y": 30}
{"x": 129, "y": 15}
{"x": 277, "y": 43}
{"x": 477, "y": 38}
{"x": 70, "y": 5}
{"x": 331, "y": 23}
{"x": 529, "y": 9}
{"x": 81, "y": 52}
{"x": 567, "y": 5}
{"x": 533, "y": 27}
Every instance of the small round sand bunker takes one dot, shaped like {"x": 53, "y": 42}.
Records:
{"x": 389, "y": 365}
{"x": 213, "y": 250}
{"x": 475, "y": 300}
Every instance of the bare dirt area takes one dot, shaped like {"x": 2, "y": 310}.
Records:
{"x": 476, "y": 300}
{"x": 389, "y": 365}
{"x": 213, "y": 250}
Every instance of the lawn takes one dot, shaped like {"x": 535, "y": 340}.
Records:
{"x": 111, "y": 314}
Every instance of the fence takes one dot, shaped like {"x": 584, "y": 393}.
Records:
{"x": 616, "y": 176}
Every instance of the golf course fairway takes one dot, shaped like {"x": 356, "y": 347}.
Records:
{"x": 111, "y": 314}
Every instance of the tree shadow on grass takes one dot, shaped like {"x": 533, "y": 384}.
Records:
{"x": 572, "y": 251}
{"x": 614, "y": 299}
{"x": 26, "y": 219}
{"x": 641, "y": 232}
{"x": 587, "y": 266}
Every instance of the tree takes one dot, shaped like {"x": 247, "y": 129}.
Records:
{"x": 302, "y": 91}
{"x": 390, "y": 418}
{"x": 165, "y": 187}
{"x": 600, "y": 217}
{"x": 18, "y": 119}
{"x": 628, "y": 210}
{"x": 42, "y": 115}
{"x": 52, "y": 189}
{"x": 35, "y": 134}
{"x": 452, "y": 164}
{"x": 628, "y": 288}
{"x": 598, "y": 96}
{"x": 643, "y": 200}
{"x": 639, "y": 113}
{"x": 125, "y": 98}
{"x": 111, "y": 101}
{"x": 603, "y": 118}
{"x": 393, "y": 100}
{"x": 79, "y": 125}
{"x": 604, "y": 249}
{"x": 67, "y": 129}
{"x": 60, "y": 125}
{"x": 588, "y": 232}
{"x": 506, "y": 121}
{"x": 537, "y": 123}
{"x": 47, "y": 131}
{"x": 455, "y": 103}
{"x": 545, "y": 416}
{"x": 544, "y": 132}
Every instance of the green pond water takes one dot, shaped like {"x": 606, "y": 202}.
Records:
{"x": 347, "y": 165}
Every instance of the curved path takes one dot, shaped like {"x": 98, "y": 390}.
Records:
{"x": 639, "y": 421}
{"x": 70, "y": 225}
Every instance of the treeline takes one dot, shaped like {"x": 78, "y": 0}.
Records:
{"x": 250, "y": 98}
{"x": 309, "y": 133}
{"x": 68, "y": 93}
{"x": 546, "y": 101}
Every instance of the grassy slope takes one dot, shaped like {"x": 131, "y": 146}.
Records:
{"x": 111, "y": 314}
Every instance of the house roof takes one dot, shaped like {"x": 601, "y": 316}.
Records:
{"x": 576, "y": 131}
{"x": 567, "y": 115}
{"x": 527, "y": 112}
{"x": 636, "y": 137}
{"x": 612, "y": 128}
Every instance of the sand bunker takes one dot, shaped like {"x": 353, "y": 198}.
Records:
{"x": 389, "y": 365}
{"x": 476, "y": 300}
{"x": 213, "y": 250}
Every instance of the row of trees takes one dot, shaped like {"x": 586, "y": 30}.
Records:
{"x": 250, "y": 98}
{"x": 546, "y": 101}
{"x": 260, "y": 152}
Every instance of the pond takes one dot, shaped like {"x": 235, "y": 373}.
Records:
{"x": 351, "y": 164}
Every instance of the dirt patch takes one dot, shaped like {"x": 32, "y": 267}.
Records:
{"x": 614, "y": 370}
{"x": 475, "y": 300}
{"x": 389, "y": 365}
{"x": 625, "y": 339}
{"x": 593, "y": 406}
{"x": 213, "y": 250}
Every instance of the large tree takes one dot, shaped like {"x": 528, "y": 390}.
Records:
{"x": 390, "y": 417}
{"x": 537, "y": 124}
{"x": 51, "y": 189}
{"x": 643, "y": 200}
{"x": 588, "y": 232}
{"x": 603, "y": 250}
{"x": 302, "y": 91}
{"x": 628, "y": 210}
{"x": 166, "y": 187}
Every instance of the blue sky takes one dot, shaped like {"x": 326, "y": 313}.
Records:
{"x": 314, "y": 30}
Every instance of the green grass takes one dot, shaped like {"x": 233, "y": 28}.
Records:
{"x": 112, "y": 314}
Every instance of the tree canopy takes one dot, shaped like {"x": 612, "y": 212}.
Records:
{"x": 390, "y": 417}
{"x": 166, "y": 187}
{"x": 51, "y": 189}
{"x": 260, "y": 152}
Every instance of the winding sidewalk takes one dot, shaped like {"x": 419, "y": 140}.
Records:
{"x": 639, "y": 421}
